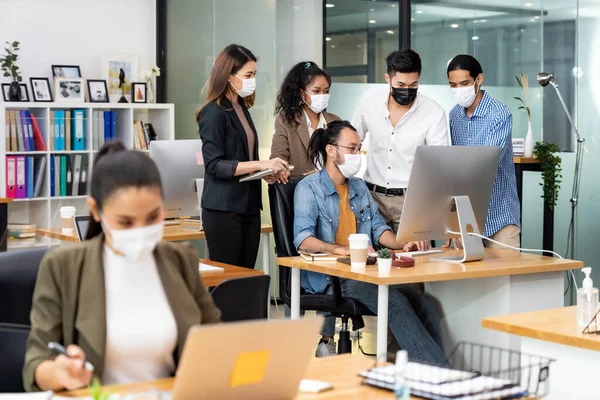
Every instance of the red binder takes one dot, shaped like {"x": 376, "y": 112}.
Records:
{"x": 11, "y": 177}
{"x": 21, "y": 180}
{"x": 38, "y": 139}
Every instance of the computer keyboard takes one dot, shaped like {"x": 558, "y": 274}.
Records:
{"x": 420, "y": 253}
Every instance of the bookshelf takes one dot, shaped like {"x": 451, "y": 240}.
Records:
{"x": 43, "y": 209}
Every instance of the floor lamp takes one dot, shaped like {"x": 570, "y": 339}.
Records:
{"x": 545, "y": 78}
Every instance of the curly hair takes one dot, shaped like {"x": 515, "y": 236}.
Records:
{"x": 289, "y": 103}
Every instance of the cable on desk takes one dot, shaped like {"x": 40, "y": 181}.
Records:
{"x": 516, "y": 248}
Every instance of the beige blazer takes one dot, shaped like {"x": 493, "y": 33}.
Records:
{"x": 290, "y": 142}
{"x": 69, "y": 303}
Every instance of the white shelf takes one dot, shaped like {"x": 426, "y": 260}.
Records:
{"x": 43, "y": 211}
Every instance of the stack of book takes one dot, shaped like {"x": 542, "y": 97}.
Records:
{"x": 23, "y": 132}
{"x": 143, "y": 134}
{"x": 18, "y": 231}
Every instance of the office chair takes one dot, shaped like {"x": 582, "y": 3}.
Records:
{"x": 242, "y": 299}
{"x": 18, "y": 273}
{"x": 13, "y": 343}
{"x": 281, "y": 198}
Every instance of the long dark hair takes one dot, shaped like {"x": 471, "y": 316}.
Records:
{"x": 322, "y": 137}
{"x": 289, "y": 102}
{"x": 116, "y": 168}
{"x": 229, "y": 61}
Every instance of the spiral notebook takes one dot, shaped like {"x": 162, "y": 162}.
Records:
{"x": 261, "y": 174}
{"x": 437, "y": 383}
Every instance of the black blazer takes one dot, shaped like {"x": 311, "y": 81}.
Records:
{"x": 224, "y": 144}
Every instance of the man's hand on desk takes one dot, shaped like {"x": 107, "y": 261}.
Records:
{"x": 342, "y": 250}
{"x": 456, "y": 242}
{"x": 413, "y": 246}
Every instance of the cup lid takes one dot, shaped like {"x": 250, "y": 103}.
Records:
{"x": 358, "y": 236}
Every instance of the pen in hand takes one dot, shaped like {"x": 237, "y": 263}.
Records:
{"x": 57, "y": 347}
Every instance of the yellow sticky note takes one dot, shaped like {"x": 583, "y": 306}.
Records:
{"x": 250, "y": 368}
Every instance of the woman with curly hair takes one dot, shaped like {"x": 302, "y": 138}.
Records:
{"x": 301, "y": 103}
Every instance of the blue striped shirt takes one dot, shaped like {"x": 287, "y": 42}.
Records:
{"x": 491, "y": 125}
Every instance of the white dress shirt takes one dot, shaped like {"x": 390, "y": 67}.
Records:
{"x": 322, "y": 123}
{"x": 141, "y": 333}
{"x": 391, "y": 149}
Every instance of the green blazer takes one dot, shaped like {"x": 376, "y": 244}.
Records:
{"x": 69, "y": 303}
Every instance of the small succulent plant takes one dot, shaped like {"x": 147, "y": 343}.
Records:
{"x": 384, "y": 253}
{"x": 96, "y": 391}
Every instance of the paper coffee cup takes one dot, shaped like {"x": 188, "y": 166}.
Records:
{"x": 67, "y": 221}
{"x": 359, "y": 244}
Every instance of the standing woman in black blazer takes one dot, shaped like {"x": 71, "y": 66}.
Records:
{"x": 231, "y": 210}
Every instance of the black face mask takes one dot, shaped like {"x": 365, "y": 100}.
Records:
{"x": 404, "y": 96}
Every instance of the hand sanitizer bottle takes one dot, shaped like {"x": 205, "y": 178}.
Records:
{"x": 401, "y": 389}
{"x": 587, "y": 300}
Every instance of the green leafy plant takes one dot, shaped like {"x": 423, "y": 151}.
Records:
{"x": 9, "y": 60}
{"x": 550, "y": 164}
{"x": 96, "y": 391}
{"x": 524, "y": 84}
{"x": 384, "y": 253}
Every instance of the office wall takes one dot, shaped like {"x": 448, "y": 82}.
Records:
{"x": 78, "y": 32}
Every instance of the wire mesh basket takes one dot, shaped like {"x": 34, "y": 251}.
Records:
{"x": 478, "y": 372}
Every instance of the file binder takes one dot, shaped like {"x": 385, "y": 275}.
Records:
{"x": 29, "y": 178}
{"x": 40, "y": 169}
{"x": 63, "y": 175}
{"x": 78, "y": 129}
{"x": 11, "y": 177}
{"x": 21, "y": 176}
{"x": 52, "y": 180}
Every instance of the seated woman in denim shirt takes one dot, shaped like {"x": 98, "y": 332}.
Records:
{"x": 332, "y": 204}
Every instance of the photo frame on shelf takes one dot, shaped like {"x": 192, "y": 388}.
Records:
{"x": 139, "y": 92}
{"x": 24, "y": 92}
{"x": 41, "y": 89}
{"x": 69, "y": 89}
{"x": 111, "y": 66}
{"x": 66, "y": 71}
{"x": 97, "y": 91}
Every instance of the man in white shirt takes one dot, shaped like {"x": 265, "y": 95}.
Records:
{"x": 397, "y": 119}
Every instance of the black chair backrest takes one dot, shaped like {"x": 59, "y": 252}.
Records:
{"x": 281, "y": 199}
{"x": 243, "y": 298}
{"x": 13, "y": 343}
{"x": 18, "y": 272}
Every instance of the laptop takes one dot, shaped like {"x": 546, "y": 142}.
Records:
{"x": 246, "y": 360}
{"x": 81, "y": 226}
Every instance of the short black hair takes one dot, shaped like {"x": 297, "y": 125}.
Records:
{"x": 465, "y": 62}
{"x": 405, "y": 61}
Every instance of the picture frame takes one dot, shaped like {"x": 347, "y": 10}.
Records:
{"x": 110, "y": 67}
{"x": 66, "y": 71}
{"x": 139, "y": 92}
{"x": 97, "y": 91}
{"x": 70, "y": 90}
{"x": 41, "y": 90}
{"x": 24, "y": 92}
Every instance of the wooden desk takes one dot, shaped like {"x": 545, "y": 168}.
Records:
{"x": 555, "y": 334}
{"x": 341, "y": 371}
{"x": 213, "y": 278}
{"x": 4, "y": 222}
{"x": 504, "y": 280}
{"x": 523, "y": 164}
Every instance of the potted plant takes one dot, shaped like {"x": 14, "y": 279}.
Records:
{"x": 384, "y": 260}
{"x": 10, "y": 69}
{"x": 524, "y": 84}
{"x": 551, "y": 171}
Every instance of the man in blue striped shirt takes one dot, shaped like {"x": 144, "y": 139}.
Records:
{"x": 479, "y": 120}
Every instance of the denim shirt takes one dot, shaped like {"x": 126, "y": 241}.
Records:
{"x": 317, "y": 213}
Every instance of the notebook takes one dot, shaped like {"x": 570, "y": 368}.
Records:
{"x": 261, "y": 174}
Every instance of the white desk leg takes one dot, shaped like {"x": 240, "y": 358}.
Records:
{"x": 267, "y": 268}
{"x": 382, "y": 322}
{"x": 296, "y": 293}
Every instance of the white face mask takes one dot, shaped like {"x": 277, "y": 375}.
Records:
{"x": 135, "y": 243}
{"x": 318, "y": 102}
{"x": 248, "y": 87}
{"x": 465, "y": 96}
{"x": 351, "y": 165}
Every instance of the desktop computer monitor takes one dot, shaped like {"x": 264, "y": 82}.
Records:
{"x": 450, "y": 188}
{"x": 180, "y": 164}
